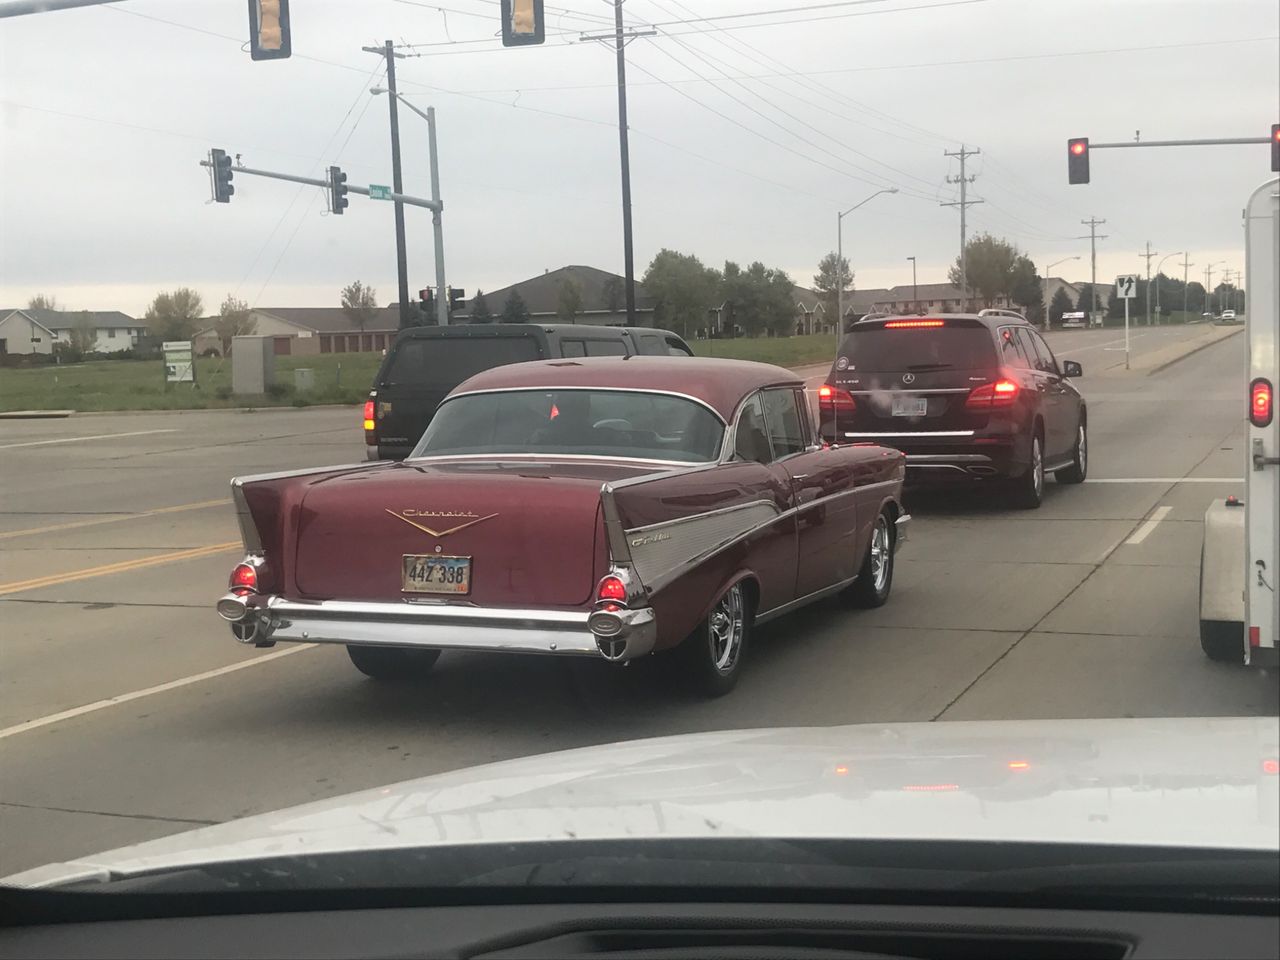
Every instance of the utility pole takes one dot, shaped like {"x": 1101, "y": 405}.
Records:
{"x": 620, "y": 37}
{"x": 1186, "y": 266}
{"x": 1149, "y": 254}
{"x": 964, "y": 203}
{"x": 388, "y": 50}
{"x": 1093, "y": 223}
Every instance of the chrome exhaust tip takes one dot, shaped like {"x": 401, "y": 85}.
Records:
{"x": 232, "y": 608}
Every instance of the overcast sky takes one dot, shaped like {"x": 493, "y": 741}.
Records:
{"x": 107, "y": 111}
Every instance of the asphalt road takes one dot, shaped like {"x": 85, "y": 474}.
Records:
{"x": 127, "y": 711}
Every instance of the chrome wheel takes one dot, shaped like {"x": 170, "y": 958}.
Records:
{"x": 726, "y": 627}
{"x": 880, "y": 550}
{"x": 1082, "y": 456}
{"x": 1037, "y": 467}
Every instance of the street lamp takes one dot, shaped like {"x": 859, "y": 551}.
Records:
{"x": 1046, "y": 287}
{"x": 1158, "y": 266}
{"x": 915, "y": 301}
{"x": 442, "y": 290}
{"x": 840, "y": 261}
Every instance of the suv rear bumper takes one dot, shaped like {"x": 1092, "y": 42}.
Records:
{"x": 956, "y": 455}
{"x": 265, "y": 620}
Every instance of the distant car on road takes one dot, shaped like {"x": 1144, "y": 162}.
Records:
{"x": 602, "y": 508}
{"x": 977, "y": 397}
{"x": 425, "y": 363}
{"x": 1228, "y": 316}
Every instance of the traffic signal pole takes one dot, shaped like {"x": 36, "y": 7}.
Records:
{"x": 404, "y": 198}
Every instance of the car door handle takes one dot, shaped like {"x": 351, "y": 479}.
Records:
{"x": 799, "y": 476}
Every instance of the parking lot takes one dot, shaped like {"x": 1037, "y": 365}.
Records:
{"x": 128, "y": 712}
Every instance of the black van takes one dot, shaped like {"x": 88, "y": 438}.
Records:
{"x": 425, "y": 363}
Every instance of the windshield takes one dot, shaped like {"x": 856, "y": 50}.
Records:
{"x": 394, "y": 389}
{"x": 597, "y": 423}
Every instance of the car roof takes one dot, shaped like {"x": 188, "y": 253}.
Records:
{"x": 721, "y": 384}
{"x": 990, "y": 320}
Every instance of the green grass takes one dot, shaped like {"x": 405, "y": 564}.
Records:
{"x": 139, "y": 385}
{"x": 784, "y": 351}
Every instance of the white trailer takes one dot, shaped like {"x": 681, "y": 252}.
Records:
{"x": 1240, "y": 560}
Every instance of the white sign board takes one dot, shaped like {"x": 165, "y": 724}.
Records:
{"x": 179, "y": 361}
{"x": 1127, "y": 286}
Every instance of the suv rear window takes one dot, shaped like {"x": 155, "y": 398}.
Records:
{"x": 450, "y": 360}
{"x": 875, "y": 349}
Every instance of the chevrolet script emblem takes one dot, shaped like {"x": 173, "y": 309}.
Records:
{"x": 412, "y": 517}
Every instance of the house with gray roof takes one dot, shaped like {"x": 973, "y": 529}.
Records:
{"x": 31, "y": 330}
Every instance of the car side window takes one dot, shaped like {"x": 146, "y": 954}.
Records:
{"x": 606, "y": 348}
{"x": 677, "y": 349}
{"x": 651, "y": 345}
{"x": 1012, "y": 353}
{"x": 750, "y": 439}
{"x": 573, "y": 348}
{"x": 1048, "y": 362}
{"x": 782, "y": 417}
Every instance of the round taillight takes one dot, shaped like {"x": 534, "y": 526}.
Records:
{"x": 244, "y": 577}
{"x": 612, "y": 588}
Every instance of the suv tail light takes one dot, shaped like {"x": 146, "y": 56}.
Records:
{"x": 833, "y": 400}
{"x": 1261, "y": 403}
{"x": 1001, "y": 393}
{"x": 370, "y": 422}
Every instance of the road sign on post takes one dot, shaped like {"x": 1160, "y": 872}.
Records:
{"x": 378, "y": 191}
{"x": 1126, "y": 289}
{"x": 179, "y": 362}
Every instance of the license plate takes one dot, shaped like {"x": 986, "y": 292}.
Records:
{"x": 910, "y": 406}
{"x": 435, "y": 574}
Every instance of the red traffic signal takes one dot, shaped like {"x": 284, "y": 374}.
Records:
{"x": 1275, "y": 148}
{"x": 1078, "y": 160}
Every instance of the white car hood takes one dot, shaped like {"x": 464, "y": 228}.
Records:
{"x": 1207, "y": 783}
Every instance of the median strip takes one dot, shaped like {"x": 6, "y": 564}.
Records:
{"x": 123, "y": 566}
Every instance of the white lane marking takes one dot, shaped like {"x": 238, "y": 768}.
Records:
{"x": 100, "y": 436}
{"x": 1102, "y": 346}
{"x": 149, "y": 691}
{"x": 1148, "y": 527}
{"x": 1168, "y": 480}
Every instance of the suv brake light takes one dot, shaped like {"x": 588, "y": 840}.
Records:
{"x": 914, "y": 324}
{"x": 1261, "y": 403}
{"x": 1001, "y": 393}
{"x": 832, "y": 400}
{"x": 370, "y": 421}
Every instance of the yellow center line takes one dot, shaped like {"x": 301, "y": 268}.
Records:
{"x": 123, "y": 566}
{"x": 76, "y": 524}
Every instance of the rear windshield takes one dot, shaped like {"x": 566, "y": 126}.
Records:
{"x": 875, "y": 349}
{"x": 602, "y": 423}
{"x": 450, "y": 360}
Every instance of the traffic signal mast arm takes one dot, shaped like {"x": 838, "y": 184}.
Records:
{"x": 325, "y": 183}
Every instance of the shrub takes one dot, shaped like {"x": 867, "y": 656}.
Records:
{"x": 222, "y": 392}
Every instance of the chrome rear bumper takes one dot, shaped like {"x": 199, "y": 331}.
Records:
{"x": 263, "y": 621}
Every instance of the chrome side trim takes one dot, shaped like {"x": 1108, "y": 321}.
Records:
{"x": 634, "y": 531}
{"x": 663, "y": 551}
{"x": 309, "y": 471}
{"x": 919, "y": 459}
{"x": 244, "y": 518}
{"x": 917, "y": 433}
{"x": 802, "y": 601}
{"x": 870, "y": 393}
{"x": 614, "y": 533}
{"x": 664, "y": 474}
{"x": 555, "y": 458}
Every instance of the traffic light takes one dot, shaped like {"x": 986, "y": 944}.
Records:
{"x": 1078, "y": 160}
{"x": 1275, "y": 148}
{"x": 222, "y": 175}
{"x": 428, "y": 304}
{"x": 338, "y": 201}
{"x": 522, "y": 23}
{"x": 269, "y": 35}
{"x": 457, "y": 298}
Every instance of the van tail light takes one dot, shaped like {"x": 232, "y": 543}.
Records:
{"x": 1261, "y": 402}
{"x": 370, "y": 421}
{"x": 833, "y": 400}
{"x": 1001, "y": 393}
{"x": 244, "y": 579}
{"x": 611, "y": 590}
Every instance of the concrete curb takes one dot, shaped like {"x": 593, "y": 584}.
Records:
{"x": 1208, "y": 342}
{"x": 35, "y": 414}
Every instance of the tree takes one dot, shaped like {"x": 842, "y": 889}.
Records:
{"x": 1025, "y": 291}
{"x": 570, "y": 304}
{"x": 760, "y": 299}
{"x": 173, "y": 316}
{"x": 1084, "y": 302}
{"x": 683, "y": 290}
{"x": 989, "y": 265}
{"x": 614, "y": 294}
{"x": 480, "y": 312}
{"x": 359, "y": 303}
{"x": 83, "y": 333}
{"x": 515, "y": 310}
{"x": 833, "y": 276}
{"x": 233, "y": 321}
{"x": 1060, "y": 304}
{"x": 42, "y": 302}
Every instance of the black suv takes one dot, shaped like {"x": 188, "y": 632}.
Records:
{"x": 964, "y": 396}
{"x": 424, "y": 363}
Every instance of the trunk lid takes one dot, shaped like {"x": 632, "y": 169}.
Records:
{"x": 532, "y": 532}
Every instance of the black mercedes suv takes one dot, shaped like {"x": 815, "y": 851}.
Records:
{"x": 964, "y": 396}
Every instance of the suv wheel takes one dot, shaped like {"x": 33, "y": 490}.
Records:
{"x": 1028, "y": 489}
{"x": 1079, "y": 468}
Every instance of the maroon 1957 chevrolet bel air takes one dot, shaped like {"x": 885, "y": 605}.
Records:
{"x": 604, "y": 508}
